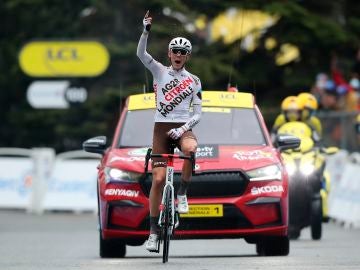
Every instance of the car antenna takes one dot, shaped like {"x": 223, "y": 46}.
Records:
{"x": 239, "y": 48}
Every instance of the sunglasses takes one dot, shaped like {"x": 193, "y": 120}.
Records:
{"x": 181, "y": 51}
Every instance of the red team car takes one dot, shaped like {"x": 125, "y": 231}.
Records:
{"x": 239, "y": 190}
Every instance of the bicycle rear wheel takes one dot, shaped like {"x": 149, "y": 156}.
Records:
{"x": 166, "y": 229}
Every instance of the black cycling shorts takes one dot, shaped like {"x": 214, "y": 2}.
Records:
{"x": 162, "y": 142}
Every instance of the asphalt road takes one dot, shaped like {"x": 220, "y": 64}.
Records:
{"x": 68, "y": 241}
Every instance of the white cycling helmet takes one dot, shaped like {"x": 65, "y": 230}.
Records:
{"x": 180, "y": 43}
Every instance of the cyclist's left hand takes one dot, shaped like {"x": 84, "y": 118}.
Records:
{"x": 176, "y": 133}
{"x": 147, "y": 22}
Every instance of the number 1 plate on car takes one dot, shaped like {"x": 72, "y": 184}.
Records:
{"x": 204, "y": 210}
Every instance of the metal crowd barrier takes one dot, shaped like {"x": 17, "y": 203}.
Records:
{"x": 37, "y": 180}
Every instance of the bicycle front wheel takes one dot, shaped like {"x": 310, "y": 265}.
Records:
{"x": 166, "y": 229}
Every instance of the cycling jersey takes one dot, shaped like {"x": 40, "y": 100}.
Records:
{"x": 174, "y": 90}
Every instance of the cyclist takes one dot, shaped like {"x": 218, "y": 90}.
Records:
{"x": 175, "y": 88}
{"x": 310, "y": 106}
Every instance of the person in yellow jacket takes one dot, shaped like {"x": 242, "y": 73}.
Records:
{"x": 291, "y": 110}
{"x": 310, "y": 105}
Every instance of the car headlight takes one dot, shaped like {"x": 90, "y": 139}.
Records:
{"x": 113, "y": 174}
{"x": 307, "y": 169}
{"x": 290, "y": 168}
{"x": 271, "y": 172}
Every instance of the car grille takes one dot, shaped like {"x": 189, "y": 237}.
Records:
{"x": 210, "y": 184}
{"x": 232, "y": 219}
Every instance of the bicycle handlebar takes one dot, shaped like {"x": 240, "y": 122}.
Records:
{"x": 170, "y": 156}
{"x": 149, "y": 156}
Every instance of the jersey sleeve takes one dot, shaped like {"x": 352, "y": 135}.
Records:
{"x": 149, "y": 62}
{"x": 197, "y": 105}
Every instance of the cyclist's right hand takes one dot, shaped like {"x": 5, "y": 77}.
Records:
{"x": 147, "y": 22}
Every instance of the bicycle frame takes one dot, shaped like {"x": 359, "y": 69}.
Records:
{"x": 169, "y": 225}
{"x": 169, "y": 183}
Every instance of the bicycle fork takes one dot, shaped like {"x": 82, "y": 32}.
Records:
{"x": 171, "y": 202}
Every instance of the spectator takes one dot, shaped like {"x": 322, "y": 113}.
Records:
{"x": 355, "y": 78}
{"x": 319, "y": 86}
{"x": 329, "y": 97}
{"x": 347, "y": 98}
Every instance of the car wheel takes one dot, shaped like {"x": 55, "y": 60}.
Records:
{"x": 112, "y": 248}
{"x": 316, "y": 219}
{"x": 294, "y": 233}
{"x": 274, "y": 246}
{"x": 325, "y": 219}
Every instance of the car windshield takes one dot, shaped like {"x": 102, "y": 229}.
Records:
{"x": 235, "y": 126}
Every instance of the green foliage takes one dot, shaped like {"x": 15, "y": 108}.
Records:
{"x": 318, "y": 28}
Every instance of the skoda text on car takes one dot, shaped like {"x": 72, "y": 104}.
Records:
{"x": 239, "y": 190}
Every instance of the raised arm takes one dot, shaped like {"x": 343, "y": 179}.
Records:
{"x": 148, "y": 61}
{"x": 141, "y": 52}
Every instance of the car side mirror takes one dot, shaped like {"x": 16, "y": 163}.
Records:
{"x": 95, "y": 145}
{"x": 284, "y": 142}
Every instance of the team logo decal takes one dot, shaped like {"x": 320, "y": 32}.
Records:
{"x": 127, "y": 159}
{"x": 252, "y": 155}
{"x": 205, "y": 151}
{"x": 175, "y": 92}
{"x": 138, "y": 152}
{"x": 121, "y": 192}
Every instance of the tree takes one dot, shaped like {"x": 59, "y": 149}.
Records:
{"x": 316, "y": 28}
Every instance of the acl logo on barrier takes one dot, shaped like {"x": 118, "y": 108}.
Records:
{"x": 64, "y": 59}
{"x": 63, "y": 54}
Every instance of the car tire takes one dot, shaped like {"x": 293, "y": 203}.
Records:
{"x": 316, "y": 219}
{"x": 325, "y": 219}
{"x": 274, "y": 246}
{"x": 294, "y": 233}
{"x": 112, "y": 248}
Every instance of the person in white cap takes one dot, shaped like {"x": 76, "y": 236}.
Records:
{"x": 175, "y": 90}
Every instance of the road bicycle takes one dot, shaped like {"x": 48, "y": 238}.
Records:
{"x": 169, "y": 216}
